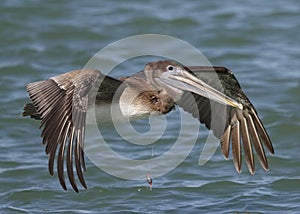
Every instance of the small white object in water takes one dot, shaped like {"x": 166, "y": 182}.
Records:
{"x": 149, "y": 180}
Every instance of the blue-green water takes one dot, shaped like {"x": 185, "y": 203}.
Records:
{"x": 259, "y": 41}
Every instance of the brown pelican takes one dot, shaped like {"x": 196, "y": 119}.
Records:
{"x": 61, "y": 104}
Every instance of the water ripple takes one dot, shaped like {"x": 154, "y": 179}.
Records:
{"x": 257, "y": 40}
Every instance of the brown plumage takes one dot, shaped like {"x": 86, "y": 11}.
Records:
{"x": 211, "y": 94}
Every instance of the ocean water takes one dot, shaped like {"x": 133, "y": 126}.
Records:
{"x": 258, "y": 40}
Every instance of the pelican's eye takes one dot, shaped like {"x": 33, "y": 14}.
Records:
{"x": 170, "y": 68}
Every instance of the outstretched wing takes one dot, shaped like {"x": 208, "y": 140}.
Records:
{"x": 229, "y": 124}
{"x": 61, "y": 103}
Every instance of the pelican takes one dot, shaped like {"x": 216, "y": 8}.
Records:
{"x": 217, "y": 100}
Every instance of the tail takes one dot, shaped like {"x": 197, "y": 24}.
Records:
{"x": 29, "y": 110}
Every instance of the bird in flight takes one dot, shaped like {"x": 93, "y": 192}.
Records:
{"x": 211, "y": 94}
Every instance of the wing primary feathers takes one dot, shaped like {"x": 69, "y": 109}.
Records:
{"x": 51, "y": 136}
{"x": 236, "y": 146}
{"x": 56, "y": 113}
{"x": 52, "y": 149}
{"x": 246, "y": 142}
{"x": 225, "y": 142}
{"x": 51, "y": 159}
{"x": 47, "y": 102}
{"x": 51, "y": 144}
{"x": 60, "y": 159}
{"x": 262, "y": 132}
{"x": 82, "y": 159}
{"x": 256, "y": 142}
{"x": 43, "y": 99}
{"x": 70, "y": 160}
{"x": 80, "y": 144}
{"x": 77, "y": 161}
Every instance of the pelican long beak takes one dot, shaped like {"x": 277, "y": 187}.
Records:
{"x": 183, "y": 80}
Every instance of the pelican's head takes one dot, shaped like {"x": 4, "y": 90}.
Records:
{"x": 175, "y": 79}
{"x": 156, "y": 69}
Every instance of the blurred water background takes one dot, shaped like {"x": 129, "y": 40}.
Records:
{"x": 258, "y": 40}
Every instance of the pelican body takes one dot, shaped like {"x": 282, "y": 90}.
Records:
{"x": 211, "y": 94}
